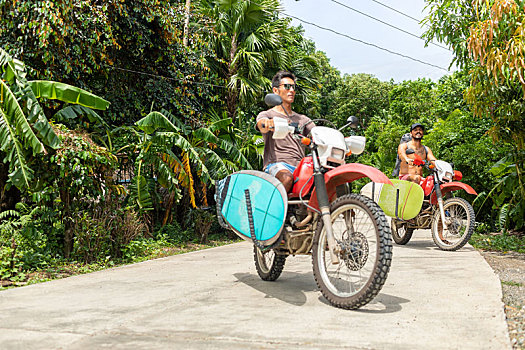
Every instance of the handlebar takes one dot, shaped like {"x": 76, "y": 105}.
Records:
{"x": 418, "y": 161}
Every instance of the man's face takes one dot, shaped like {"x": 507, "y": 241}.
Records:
{"x": 417, "y": 133}
{"x": 288, "y": 96}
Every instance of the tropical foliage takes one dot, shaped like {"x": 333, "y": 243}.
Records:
{"x": 251, "y": 42}
{"x": 487, "y": 39}
{"x": 126, "y": 51}
{"x": 138, "y": 107}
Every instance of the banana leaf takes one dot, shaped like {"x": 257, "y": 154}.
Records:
{"x": 74, "y": 112}
{"x": 67, "y": 93}
{"x": 154, "y": 121}
{"x": 19, "y": 173}
{"x": 139, "y": 191}
{"x": 14, "y": 118}
{"x": 13, "y": 73}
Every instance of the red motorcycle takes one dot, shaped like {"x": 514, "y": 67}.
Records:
{"x": 347, "y": 234}
{"x": 452, "y": 220}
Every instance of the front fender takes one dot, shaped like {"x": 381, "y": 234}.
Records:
{"x": 347, "y": 173}
{"x": 452, "y": 186}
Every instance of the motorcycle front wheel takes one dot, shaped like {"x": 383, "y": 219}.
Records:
{"x": 269, "y": 264}
{"x": 460, "y": 219}
{"x": 400, "y": 231}
{"x": 365, "y": 252}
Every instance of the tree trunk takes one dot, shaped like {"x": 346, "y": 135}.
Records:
{"x": 232, "y": 96}
{"x": 231, "y": 104}
{"x": 186, "y": 22}
{"x": 67, "y": 220}
{"x": 167, "y": 214}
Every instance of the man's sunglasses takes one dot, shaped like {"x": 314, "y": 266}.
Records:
{"x": 289, "y": 86}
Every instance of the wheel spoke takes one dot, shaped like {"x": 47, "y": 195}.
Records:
{"x": 361, "y": 232}
{"x": 354, "y": 269}
{"x": 459, "y": 217}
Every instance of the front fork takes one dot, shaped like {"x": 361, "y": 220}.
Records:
{"x": 324, "y": 206}
{"x": 439, "y": 196}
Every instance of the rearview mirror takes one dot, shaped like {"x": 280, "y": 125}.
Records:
{"x": 352, "y": 121}
{"x": 273, "y": 100}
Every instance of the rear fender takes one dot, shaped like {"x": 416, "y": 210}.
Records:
{"x": 452, "y": 186}
{"x": 344, "y": 174}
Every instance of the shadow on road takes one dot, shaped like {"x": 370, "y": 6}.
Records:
{"x": 384, "y": 304}
{"x": 292, "y": 287}
{"x": 427, "y": 245}
{"x": 419, "y": 245}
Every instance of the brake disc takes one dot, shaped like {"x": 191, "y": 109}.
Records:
{"x": 355, "y": 251}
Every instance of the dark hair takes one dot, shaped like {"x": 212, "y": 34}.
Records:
{"x": 276, "y": 80}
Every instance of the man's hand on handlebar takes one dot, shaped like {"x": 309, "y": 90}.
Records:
{"x": 265, "y": 125}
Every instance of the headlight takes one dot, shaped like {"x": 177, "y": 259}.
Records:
{"x": 338, "y": 153}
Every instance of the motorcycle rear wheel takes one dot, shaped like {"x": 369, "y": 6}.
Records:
{"x": 269, "y": 265}
{"x": 460, "y": 215}
{"x": 400, "y": 232}
{"x": 363, "y": 235}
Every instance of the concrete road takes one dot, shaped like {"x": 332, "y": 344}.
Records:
{"x": 213, "y": 299}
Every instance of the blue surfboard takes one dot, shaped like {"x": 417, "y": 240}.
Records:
{"x": 267, "y": 199}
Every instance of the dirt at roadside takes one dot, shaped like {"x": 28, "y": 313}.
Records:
{"x": 510, "y": 268}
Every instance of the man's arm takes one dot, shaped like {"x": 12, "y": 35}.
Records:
{"x": 402, "y": 153}
{"x": 307, "y": 127}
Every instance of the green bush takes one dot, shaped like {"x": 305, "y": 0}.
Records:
{"x": 23, "y": 243}
{"x": 174, "y": 233}
{"x": 103, "y": 232}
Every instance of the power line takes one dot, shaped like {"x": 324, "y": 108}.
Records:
{"x": 364, "y": 42}
{"x": 401, "y": 13}
{"x": 225, "y": 87}
{"x": 388, "y": 24}
{"x": 167, "y": 78}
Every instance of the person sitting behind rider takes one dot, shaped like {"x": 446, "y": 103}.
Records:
{"x": 407, "y": 151}
{"x": 281, "y": 156}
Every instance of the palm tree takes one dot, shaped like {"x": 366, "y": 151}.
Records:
{"x": 248, "y": 37}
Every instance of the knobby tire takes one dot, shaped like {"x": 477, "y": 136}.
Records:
{"x": 463, "y": 221}
{"x": 269, "y": 265}
{"x": 370, "y": 227}
{"x": 400, "y": 232}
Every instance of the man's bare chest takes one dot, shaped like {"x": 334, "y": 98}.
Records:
{"x": 420, "y": 151}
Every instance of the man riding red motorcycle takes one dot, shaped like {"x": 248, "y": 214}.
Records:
{"x": 281, "y": 156}
{"x": 451, "y": 219}
{"x": 407, "y": 152}
{"x": 346, "y": 234}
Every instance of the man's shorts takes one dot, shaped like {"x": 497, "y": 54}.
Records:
{"x": 274, "y": 168}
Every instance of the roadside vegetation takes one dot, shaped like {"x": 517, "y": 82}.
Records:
{"x": 116, "y": 121}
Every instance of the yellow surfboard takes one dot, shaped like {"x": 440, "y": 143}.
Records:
{"x": 403, "y": 200}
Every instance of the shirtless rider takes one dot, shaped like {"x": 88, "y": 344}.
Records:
{"x": 407, "y": 150}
